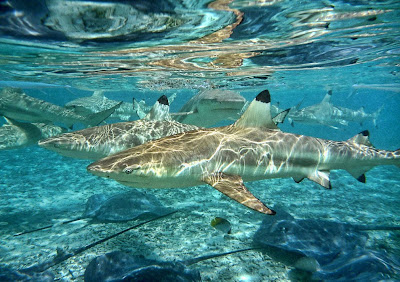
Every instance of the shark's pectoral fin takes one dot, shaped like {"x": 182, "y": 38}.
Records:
{"x": 233, "y": 187}
{"x": 182, "y": 113}
{"x": 322, "y": 178}
{"x": 97, "y": 118}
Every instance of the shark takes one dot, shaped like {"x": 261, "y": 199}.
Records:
{"x": 100, "y": 141}
{"x": 211, "y": 106}
{"x": 99, "y": 102}
{"x": 15, "y": 134}
{"x": 325, "y": 113}
{"x": 252, "y": 148}
{"x": 15, "y": 104}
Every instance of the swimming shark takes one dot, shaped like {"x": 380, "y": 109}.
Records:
{"x": 15, "y": 104}
{"x": 98, "y": 102}
{"x": 209, "y": 107}
{"x": 325, "y": 113}
{"x": 14, "y": 134}
{"x": 253, "y": 148}
{"x": 100, "y": 141}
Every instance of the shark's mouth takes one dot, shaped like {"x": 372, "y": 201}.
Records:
{"x": 134, "y": 184}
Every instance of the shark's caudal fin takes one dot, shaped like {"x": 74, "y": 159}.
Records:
{"x": 361, "y": 138}
{"x": 258, "y": 113}
{"x": 376, "y": 115}
{"x": 160, "y": 110}
{"x": 97, "y": 118}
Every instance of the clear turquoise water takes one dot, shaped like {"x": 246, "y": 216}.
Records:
{"x": 296, "y": 49}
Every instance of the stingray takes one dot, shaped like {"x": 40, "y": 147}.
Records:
{"x": 324, "y": 248}
{"x": 40, "y": 272}
{"x": 118, "y": 208}
{"x": 120, "y": 266}
{"x": 117, "y": 266}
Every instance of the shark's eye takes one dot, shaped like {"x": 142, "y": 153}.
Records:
{"x": 129, "y": 169}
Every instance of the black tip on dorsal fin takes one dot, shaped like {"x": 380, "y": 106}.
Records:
{"x": 264, "y": 97}
{"x": 330, "y": 92}
{"x": 365, "y": 133}
{"x": 163, "y": 100}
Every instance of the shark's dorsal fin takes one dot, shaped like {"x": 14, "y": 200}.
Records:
{"x": 160, "y": 110}
{"x": 327, "y": 98}
{"x": 258, "y": 113}
{"x": 361, "y": 138}
{"x": 98, "y": 93}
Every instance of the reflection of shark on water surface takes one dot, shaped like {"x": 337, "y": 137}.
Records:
{"x": 325, "y": 113}
{"x": 100, "y": 141}
{"x": 209, "y": 107}
{"x": 16, "y": 134}
{"x": 253, "y": 148}
{"x": 15, "y": 104}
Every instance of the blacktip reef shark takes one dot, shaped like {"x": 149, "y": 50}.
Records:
{"x": 99, "y": 102}
{"x": 100, "y": 141}
{"x": 15, "y": 134}
{"x": 209, "y": 107}
{"x": 253, "y": 148}
{"x": 325, "y": 113}
{"x": 15, "y": 104}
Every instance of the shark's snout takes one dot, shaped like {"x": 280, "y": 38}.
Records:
{"x": 46, "y": 143}
{"x": 50, "y": 143}
{"x": 97, "y": 169}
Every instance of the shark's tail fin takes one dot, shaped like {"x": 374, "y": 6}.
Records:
{"x": 376, "y": 114}
{"x": 97, "y": 118}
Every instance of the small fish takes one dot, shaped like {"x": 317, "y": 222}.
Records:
{"x": 221, "y": 224}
